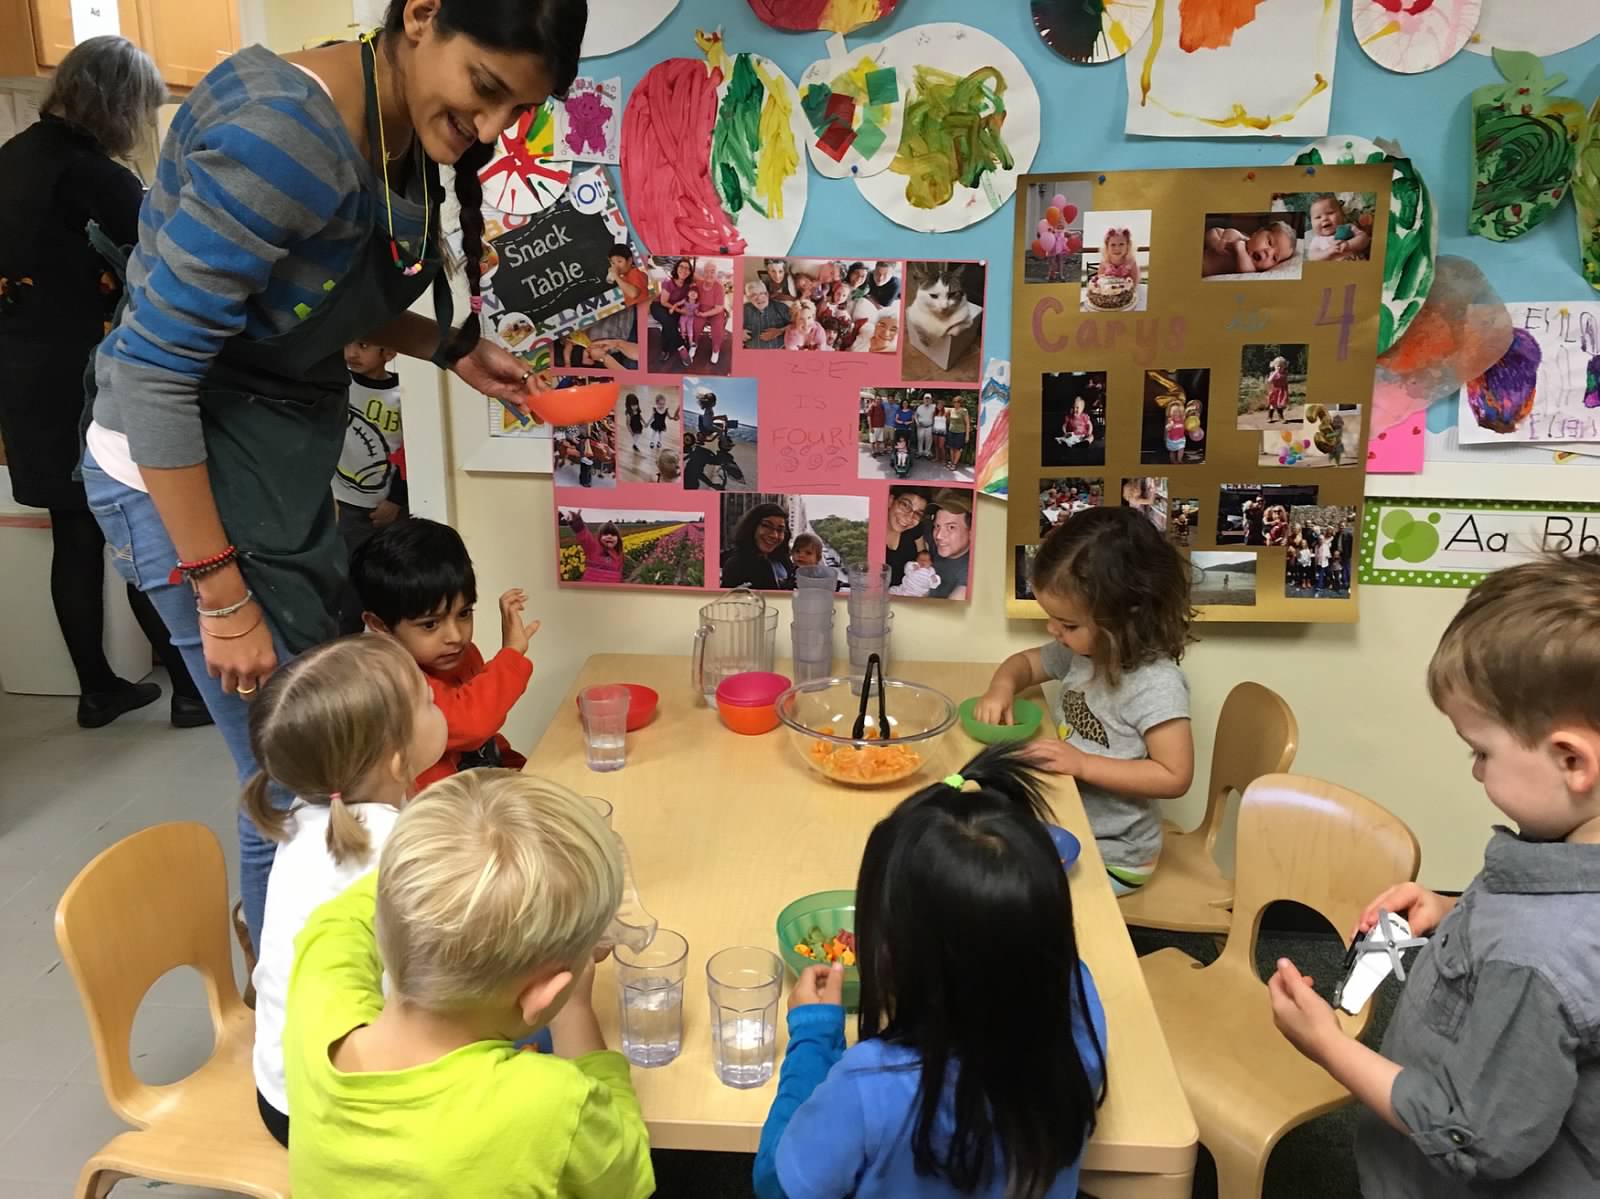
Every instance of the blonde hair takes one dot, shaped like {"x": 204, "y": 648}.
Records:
{"x": 486, "y": 875}
{"x": 667, "y": 465}
{"x": 322, "y": 724}
{"x": 1525, "y": 647}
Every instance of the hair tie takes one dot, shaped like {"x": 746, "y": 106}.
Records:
{"x": 965, "y": 785}
{"x": 335, "y": 796}
{"x": 475, "y": 303}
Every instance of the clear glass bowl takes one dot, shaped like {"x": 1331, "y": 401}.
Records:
{"x": 818, "y": 716}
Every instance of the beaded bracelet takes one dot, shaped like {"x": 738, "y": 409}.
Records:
{"x": 228, "y": 610}
{"x": 201, "y": 566}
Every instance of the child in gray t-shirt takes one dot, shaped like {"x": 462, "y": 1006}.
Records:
{"x": 1117, "y": 595}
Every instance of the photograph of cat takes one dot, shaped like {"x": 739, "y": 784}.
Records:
{"x": 943, "y": 339}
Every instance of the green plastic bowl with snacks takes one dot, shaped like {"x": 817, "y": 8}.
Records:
{"x": 826, "y": 912}
{"x": 1026, "y": 717}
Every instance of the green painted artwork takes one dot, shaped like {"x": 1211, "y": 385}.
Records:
{"x": 1524, "y": 147}
{"x": 1586, "y": 198}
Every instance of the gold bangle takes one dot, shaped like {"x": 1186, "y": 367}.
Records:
{"x": 205, "y": 632}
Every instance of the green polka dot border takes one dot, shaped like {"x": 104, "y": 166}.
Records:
{"x": 1369, "y": 572}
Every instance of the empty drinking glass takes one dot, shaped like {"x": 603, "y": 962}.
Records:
{"x": 650, "y": 996}
{"x": 874, "y": 581}
{"x": 814, "y": 578}
{"x": 743, "y": 984}
{"x": 871, "y": 626}
{"x": 605, "y": 722}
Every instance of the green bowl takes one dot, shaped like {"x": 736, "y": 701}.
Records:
{"x": 1025, "y": 712}
{"x": 830, "y": 911}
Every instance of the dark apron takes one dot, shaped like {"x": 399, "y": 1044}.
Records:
{"x": 273, "y": 415}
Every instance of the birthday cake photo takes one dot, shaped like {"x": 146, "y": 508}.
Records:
{"x": 1111, "y": 292}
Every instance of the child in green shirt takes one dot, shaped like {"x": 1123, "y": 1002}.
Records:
{"x": 491, "y": 894}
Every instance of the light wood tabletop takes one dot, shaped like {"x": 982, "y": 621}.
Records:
{"x": 724, "y": 830}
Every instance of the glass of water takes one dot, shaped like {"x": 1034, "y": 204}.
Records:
{"x": 650, "y": 992}
{"x": 605, "y": 722}
{"x": 744, "y": 983}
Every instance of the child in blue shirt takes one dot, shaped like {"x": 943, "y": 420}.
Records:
{"x": 958, "y": 1085}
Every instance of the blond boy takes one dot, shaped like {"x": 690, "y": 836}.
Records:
{"x": 1489, "y": 1078}
{"x": 491, "y": 894}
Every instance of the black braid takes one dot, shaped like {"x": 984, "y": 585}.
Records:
{"x": 469, "y": 194}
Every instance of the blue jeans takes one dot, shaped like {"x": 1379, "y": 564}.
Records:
{"x": 144, "y": 555}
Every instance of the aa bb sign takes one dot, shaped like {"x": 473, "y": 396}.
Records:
{"x": 1454, "y": 543}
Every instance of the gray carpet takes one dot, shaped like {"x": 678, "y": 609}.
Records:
{"x": 1313, "y": 1162}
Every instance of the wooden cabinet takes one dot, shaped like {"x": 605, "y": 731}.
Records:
{"x": 185, "y": 37}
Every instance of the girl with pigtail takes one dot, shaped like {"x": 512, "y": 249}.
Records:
{"x": 296, "y": 209}
{"x": 344, "y": 729}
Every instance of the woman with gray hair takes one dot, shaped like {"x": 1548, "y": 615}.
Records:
{"x": 56, "y": 295}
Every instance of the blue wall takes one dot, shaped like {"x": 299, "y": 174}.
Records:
{"x": 1083, "y": 109}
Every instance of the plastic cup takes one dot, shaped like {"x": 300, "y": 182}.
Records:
{"x": 871, "y": 626}
{"x": 814, "y": 600}
{"x": 811, "y": 644}
{"x": 872, "y": 581}
{"x": 744, "y": 984}
{"x": 869, "y": 609}
{"x": 816, "y": 578}
{"x": 605, "y": 723}
{"x": 805, "y": 671}
{"x": 862, "y": 649}
{"x": 650, "y": 998}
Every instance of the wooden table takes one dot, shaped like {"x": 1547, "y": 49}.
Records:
{"x": 725, "y": 830}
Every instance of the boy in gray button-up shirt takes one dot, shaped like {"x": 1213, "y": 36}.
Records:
{"x": 1489, "y": 1078}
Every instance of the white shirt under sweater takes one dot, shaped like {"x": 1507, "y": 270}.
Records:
{"x": 304, "y": 877}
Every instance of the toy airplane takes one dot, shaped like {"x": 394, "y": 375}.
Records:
{"x": 1372, "y": 958}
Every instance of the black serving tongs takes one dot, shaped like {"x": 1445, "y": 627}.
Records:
{"x": 859, "y": 732}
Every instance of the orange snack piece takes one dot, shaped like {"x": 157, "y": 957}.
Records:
{"x": 864, "y": 764}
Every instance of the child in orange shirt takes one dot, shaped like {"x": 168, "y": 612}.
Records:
{"x": 416, "y": 583}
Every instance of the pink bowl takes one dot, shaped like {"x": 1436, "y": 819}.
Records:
{"x": 753, "y": 689}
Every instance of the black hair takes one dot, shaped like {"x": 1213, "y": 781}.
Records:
{"x": 551, "y": 29}
{"x": 961, "y": 886}
{"x": 412, "y": 569}
{"x": 620, "y": 250}
{"x": 744, "y": 533}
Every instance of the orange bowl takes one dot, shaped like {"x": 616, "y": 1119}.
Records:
{"x": 641, "y": 705}
{"x": 575, "y": 405}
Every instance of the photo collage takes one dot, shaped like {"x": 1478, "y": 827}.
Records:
{"x": 1131, "y": 343}
{"x": 774, "y": 413}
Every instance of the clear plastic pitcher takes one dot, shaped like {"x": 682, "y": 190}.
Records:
{"x": 632, "y": 926}
{"x": 736, "y": 634}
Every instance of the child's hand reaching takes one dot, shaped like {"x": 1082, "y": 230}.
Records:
{"x": 1422, "y": 908}
{"x": 1057, "y": 757}
{"x": 818, "y": 984}
{"x": 994, "y": 705}
{"x": 1302, "y": 1016}
{"x": 514, "y": 634}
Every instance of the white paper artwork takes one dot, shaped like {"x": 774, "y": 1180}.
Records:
{"x": 589, "y": 121}
{"x": 1541, "y": 27}
{"x": 849, "y": 70}
{"x": 1412, "y": 36}
{"x": 1546, "y": 389}
{"x": 617, "y": 24}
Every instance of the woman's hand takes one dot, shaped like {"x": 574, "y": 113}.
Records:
{"x": 818, "y": 984}
{"x": 238, "y": 648}
{"x": 499, "y": 374}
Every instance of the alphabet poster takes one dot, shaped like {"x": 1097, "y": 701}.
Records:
{"x": 1454, "y": 543}
{"x": 776, "y": 413}
{"x": 1199, "y": 345}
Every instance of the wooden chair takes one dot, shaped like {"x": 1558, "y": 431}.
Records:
{"x": 1322, "y": 846}
{"x": 152, "y": 902}
{"x": 1257, "y": 734}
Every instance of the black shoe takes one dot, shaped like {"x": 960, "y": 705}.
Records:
{"x": 190, "y": 712}
{"x": 100, "y": 708}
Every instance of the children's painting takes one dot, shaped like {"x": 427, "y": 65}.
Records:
{"x": 970, "y": 127}
{"x": 1524, "y": 147}
{"x": 1272, "y": 384}
{"x": 854, "y": 102}
{"x": 1234, "y": 70}
{"x": 527, "y": 174}
{"x": 1250, "y": 246}
{"x": 1546, "y": 28}
{"x": 1060, "y": 499}
{"x": 690, "y": 315}
{"x": 1174, "y": 417}
{"x": 1408, "y": 36}
{"x": 712, "y": 155}
{"x": 1147, "y": 495}
{"x": 994, "y": 429}
{"x": 1257, "y": 514}
{"x": 1221, "y": 577}
{"x": 1338, "y": 227}
{"x": 617, "y": 24}
{"x": 922, "y": 433}
{"x": 589, "y": 120}
{"x": 1319, "y": 552}
{"x": 1074, "y": 418}
{"x": 1088, "y": 31}
{"x": 1329, "y": 435}
{"x": 1116, "y": 261}
{"x": 831, "y": 16}
{"x": 631, "y": 548}
{"x": 766, "y": 537}
{"x": 720, "y": 434}
{"x": 943, "y": 335}
{"x": 828, "y": 304}
{"x": 586, "y": 455}
{"x": 1055, "y": 212}
{"x": 650, "y": 434}
{"x": 1183, "y": 519}
{"x": 1546, "y": 389}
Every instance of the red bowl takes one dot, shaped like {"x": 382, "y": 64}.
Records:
{"x": 641, "y": 705}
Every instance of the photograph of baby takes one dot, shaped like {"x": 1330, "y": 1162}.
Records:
{"x": 611, "y": 343}
{"x": 928, "y": 541}
{"x": 689, "y": 316}
{"x": 1319, "y": 552}
{"x": 1073, "y": 421}
{"x": 719, "y": 433}
{"x": 586, "y": 455}
{"x": 1174, "y": 424}
{"x": 1272, "y": 384}
{"x": 631, "y": 548}
{"x": 1222, "y": 577}
{"x": 1147, "y": 495}
{"x": 767, "y": 537}
{"x": 1055, "y": 212}
{"x": 1257, "y": 514}
{"x": 1252, "y": 245}
{"x": 821, "y": 304}
{"x": 918, "y": 433}
{"x": 1183, "y": 520}
{"x": 1062, "y": 499}
{"x": 1116, "y": 261}
{"x": 1338, "y": 227}
{"x": 1329, "y": 435}
{"x": 943, "y": 340}
{"x": 650, "y": 441}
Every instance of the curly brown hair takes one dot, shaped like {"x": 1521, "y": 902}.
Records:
{"x": 1133, "y": 582}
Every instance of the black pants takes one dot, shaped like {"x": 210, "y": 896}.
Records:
{"x": 77, "y": 589}
{"x": 277, "y": 1123}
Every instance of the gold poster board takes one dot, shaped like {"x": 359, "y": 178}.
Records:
{"x": 1200, "y": 344}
